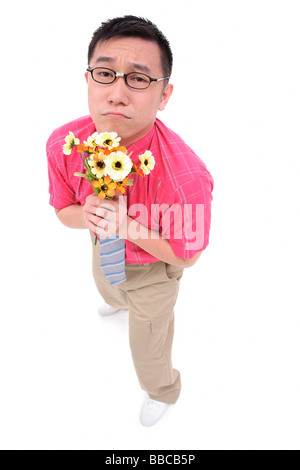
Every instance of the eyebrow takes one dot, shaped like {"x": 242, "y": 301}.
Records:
{"x": 135, "y": 65}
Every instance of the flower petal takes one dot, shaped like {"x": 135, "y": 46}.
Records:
{"x": 111, "y": 192}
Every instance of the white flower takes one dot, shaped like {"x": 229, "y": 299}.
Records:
{"x": 147, "y": 162}
{"x": 97, "y": 165}
{"x": 91, "y": 142}
{"x": 108, "y": 139}
{"x": 71, "y": 142}
{"x": 118, "y": 165}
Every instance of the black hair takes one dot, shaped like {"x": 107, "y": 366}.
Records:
{"x": 133, "y": 26}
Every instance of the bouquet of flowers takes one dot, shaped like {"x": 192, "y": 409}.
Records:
{"x": 107, "y": 164}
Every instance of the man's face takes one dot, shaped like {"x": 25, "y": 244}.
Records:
{"x": 118, "y": 108}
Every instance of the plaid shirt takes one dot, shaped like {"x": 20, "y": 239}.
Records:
{"x": 174, "y": 199}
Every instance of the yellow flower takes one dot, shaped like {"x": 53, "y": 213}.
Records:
{"x": 118, "y": 165}
{"x": 108, "y": 139}
{"x": 147, "y": 162}
{"x": 107, "y": 187}
{"x": 91, "y": 142}
{"x": 97, "y": 165}
{"x": 71, "y": 142}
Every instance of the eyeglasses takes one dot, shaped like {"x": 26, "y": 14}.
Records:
{"x": 136, "y": 80}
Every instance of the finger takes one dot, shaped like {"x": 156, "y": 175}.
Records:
{"x": 97, "y": 221}
{"x": 93, "y": 200}
{"x": 108, "y": 205}
{"x": 106, "y": 214}
{"x": 92, "y": 226}
{"x": 101, "y": 229}
{"x": 92, "y": 205}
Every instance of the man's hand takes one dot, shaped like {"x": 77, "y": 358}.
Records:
{"x": 107, "y": 218}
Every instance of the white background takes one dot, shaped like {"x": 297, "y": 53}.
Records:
{"x": 67, "y": 379}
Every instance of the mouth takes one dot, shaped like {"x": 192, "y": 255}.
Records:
{"x": 116, "y": 115}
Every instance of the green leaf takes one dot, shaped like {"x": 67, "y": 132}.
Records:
{"x": 81, "y": 175}
{"x": 96, "y": 190}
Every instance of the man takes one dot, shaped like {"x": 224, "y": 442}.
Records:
{"x": 178, "y": 191}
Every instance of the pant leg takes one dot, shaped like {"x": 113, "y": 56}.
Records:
{"x": 111, "y": 294}
{"x": 152, "y": 293}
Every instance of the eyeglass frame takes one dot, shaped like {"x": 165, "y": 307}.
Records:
{"x": 125, "y": 75}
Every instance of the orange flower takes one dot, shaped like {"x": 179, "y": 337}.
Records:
{"x": 121, "y": 149}
{"x": 108, "y": 151}
{"x": 107, "y": 187}
{"x": 121, "y": 185}
{"x": 135, "y": 168}
{"x": 84, "y": 148}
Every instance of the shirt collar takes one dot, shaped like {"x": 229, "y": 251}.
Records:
{"x": 140, "y": 147}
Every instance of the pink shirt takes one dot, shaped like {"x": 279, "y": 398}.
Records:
{"x": 174, "y": 199}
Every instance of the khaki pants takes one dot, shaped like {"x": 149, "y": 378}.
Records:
{"x": 150, "y": 293}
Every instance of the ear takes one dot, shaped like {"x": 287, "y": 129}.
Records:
{"x": 86, "y": 77}
{"x": 166, "y": 95}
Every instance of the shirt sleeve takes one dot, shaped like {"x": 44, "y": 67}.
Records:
{"x": 61, "y": 192}
{"x": 186, "y": 220}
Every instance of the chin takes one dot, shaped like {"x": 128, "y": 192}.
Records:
{"x": 107, "y": 125}
{"x": 114, "y": 125}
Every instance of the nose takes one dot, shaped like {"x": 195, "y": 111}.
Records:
{"x": 118, "y": 91}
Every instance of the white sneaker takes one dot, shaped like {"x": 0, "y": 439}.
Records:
{"x": 106, "y": 310}
{"x": 152, "y": 411}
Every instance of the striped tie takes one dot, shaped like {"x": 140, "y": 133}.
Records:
{"x": 112, "y": 259}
